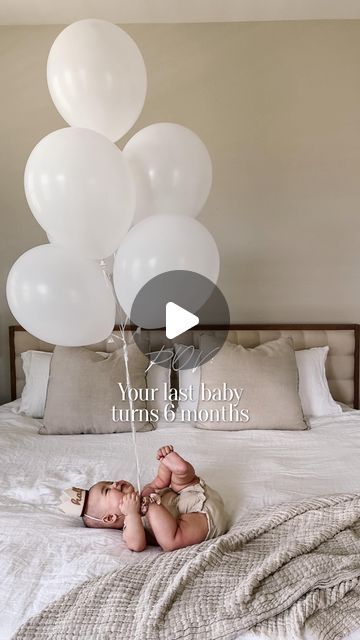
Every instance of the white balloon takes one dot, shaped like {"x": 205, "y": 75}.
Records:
{"x": 162, "y": 243}
{"x": 172, "y": 170}
{"x": 81, "y": 191}
{"x": 106, "y": 264}
{"x": 60, "y": 298}
{"x": 97, "y": 77}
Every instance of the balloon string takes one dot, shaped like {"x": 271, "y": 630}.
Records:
{"x": 133, "y": 430}
{"x": 122, "y": 337}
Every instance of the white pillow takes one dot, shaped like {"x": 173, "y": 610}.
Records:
{"x": 188, "y": 378}
{"x": 314, "y": 392}
{"x": 156, "y": 377}
{"x": 36, "y": 365}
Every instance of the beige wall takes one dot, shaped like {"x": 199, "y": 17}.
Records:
{"x": 278, "y": 106}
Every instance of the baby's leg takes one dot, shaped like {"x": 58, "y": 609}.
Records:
{"x": 173, "y": 471}
{"x": 182, "y": 472}
{"x": 189, "y": 528}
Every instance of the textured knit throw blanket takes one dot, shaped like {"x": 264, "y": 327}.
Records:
{"x": 272, "y": 572}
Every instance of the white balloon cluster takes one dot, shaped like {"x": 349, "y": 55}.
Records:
{"x": 86, "y": 193}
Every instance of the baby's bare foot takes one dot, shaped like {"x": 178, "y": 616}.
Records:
{"x": 175, "y": 463}
{"x": 164, "y": 451}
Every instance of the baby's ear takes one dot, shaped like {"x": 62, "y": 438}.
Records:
{"x": 110, "y": 518}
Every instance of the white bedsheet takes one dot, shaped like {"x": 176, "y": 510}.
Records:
{"x": 44, "y": 553}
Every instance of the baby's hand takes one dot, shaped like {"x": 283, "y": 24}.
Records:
{"x": 164, "y": 451}
{"x": 130, "y": 504}
{"x": 149, "y": 488}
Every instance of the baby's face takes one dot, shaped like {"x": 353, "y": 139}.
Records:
{"x": 106, "y": 498}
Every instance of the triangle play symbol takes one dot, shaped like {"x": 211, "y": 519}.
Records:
{"x": 178, "y": 320}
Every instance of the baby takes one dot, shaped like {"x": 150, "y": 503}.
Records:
{"x": 175, "y": 510}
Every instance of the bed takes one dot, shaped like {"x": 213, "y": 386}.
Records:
{"x": 44, "y": 554}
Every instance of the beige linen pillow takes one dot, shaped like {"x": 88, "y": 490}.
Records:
{"x": 268, "y": 376}
{"x": 83, "y": 388}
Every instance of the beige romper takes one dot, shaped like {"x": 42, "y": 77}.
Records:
{"x": 196, "y": 498}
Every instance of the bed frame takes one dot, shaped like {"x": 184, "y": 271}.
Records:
{"x": 342, "y": 365}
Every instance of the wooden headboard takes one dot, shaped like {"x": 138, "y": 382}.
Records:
{"x": 342, "y": 365}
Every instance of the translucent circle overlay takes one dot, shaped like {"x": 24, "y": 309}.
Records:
{"x": 194, "y": 293}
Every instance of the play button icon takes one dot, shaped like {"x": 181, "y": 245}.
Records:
{"x": 177, "y": 308}
{"x": 178, "y": 320}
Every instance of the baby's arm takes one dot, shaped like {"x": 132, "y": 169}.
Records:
{"x": 134, "y": 533}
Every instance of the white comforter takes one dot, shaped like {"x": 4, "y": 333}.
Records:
{"x": 44, "y": 553}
